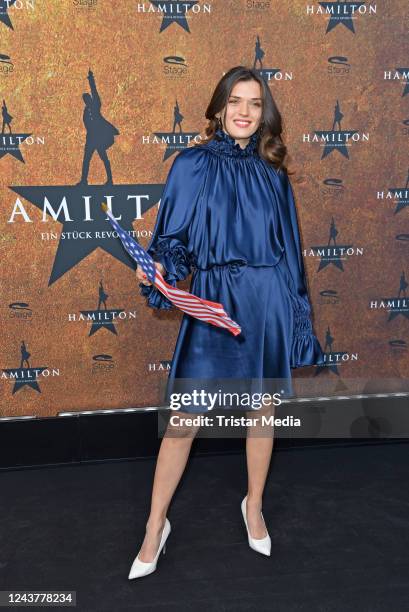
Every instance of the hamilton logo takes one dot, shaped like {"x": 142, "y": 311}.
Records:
{"x": 336, "y": 140}
{"x": 400, "y": 74}
{"x": 175, "y": 141}
{"x": 174, "y": 11}
{"x": 342, "y": 13}
{"x": 162, "y": 366}
{"x": 333, "y": 254}
{"x": 101, "y": 317}
{"x": 333, "y": 358}
{"x": 27, "y": 374}
{"x": 394, "y": 305}
{"x": 397, "y": 195}
{"x": 85, "y": 227}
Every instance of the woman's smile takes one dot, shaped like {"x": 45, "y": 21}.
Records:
{"x": 242, "y": 123}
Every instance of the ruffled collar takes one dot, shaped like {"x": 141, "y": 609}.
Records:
{"x": 224, "y": 144}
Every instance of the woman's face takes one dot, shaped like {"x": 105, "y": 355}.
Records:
{"x": 243, "y": 111}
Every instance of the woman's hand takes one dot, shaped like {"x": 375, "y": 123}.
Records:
{"x": 141, "y": 276}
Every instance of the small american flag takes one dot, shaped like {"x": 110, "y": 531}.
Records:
{"x": 210, "y": 312}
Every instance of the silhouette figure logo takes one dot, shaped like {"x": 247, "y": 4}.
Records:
{"x": 85, "y": 226}
{"x": 9, "y": 142}
{"x": 175, "y": 142}
{"x": 25, "y": 374}
{"x": 102, "y": 317}
{"x": 100, "y": 132}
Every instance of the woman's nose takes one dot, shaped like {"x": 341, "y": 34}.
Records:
{"x": 244, "y": 109}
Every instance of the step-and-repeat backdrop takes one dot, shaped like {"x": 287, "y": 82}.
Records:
{"x": 75, "y": 332}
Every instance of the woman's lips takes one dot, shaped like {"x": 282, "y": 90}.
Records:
{"x": 242, "y": 124}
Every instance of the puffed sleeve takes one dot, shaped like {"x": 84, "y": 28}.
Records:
{"x": 169, "y": 241}
{"x": 305, "y": 347}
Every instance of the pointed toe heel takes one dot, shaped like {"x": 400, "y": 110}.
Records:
{"x": 142, "y": 568}
{"x": 261, "y": 545}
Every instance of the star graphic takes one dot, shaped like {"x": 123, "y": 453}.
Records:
{"x": 395, "y": 311}
{"x": 341, "y": 12}
{"x": 175, "y": 12}
{"x": 404, "y": 72}
{"x": 338, "y": 145}
{"x": 402, "y": 201}
{"x": 71, "y": 251}
{"x": 4, "y": 17}
{"x": 330, "y": 257}
{"x": 11, "y": 146}
{"x": 100, "y": 322}
{"x": 328, "y": 366}
{"x": 19, "y": 373}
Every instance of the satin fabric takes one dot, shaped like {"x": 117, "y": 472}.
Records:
{"x": 230, "y": 218}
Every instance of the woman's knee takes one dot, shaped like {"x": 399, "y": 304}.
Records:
{"x": 179, "y": 426}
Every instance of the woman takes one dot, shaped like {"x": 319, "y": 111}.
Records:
{"x": 228, "y": 211}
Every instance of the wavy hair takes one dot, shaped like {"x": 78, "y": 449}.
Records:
{"x": 270, "y": 144}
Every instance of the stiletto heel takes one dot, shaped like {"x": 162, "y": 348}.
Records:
{"x": 261, "y": 545}
{"x": 142, "y": 568}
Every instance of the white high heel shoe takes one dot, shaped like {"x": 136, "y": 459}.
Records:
{"x": 142, "y": 568}
{"x": 261, "y": 545}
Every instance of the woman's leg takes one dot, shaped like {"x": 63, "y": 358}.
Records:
{"x": 259, "y": 446}
{"x": 170, "y": 465}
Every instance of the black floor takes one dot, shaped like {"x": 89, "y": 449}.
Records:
{"x": 338, "y": 519}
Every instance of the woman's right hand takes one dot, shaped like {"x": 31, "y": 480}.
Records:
{"x": 141, "y": 276}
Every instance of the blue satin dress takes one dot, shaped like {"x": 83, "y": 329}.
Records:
{"x": 229, "y": 217}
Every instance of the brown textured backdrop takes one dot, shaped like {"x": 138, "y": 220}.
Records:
{"x": 52, "y": 48}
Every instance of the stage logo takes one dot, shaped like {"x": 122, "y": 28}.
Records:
{"x": 338, "y": 66}
{"x": 6, "y": 65}
{"x": 333, "y": 187}
{"x": 20, "y": 310}
{"x": 175, "y": 66}
{"x": 102, "y": 363}
{"x": 89, "y": 5}
{"x": 329, "y": 296}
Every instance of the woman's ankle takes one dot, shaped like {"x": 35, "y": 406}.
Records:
{"x": 254, "y": 501}
{"x": 155, "y": 523}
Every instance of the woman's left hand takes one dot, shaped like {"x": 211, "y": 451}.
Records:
{"x": 141, "y": 276}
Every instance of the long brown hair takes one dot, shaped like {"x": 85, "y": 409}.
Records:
{"x": 270, "y": 145}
